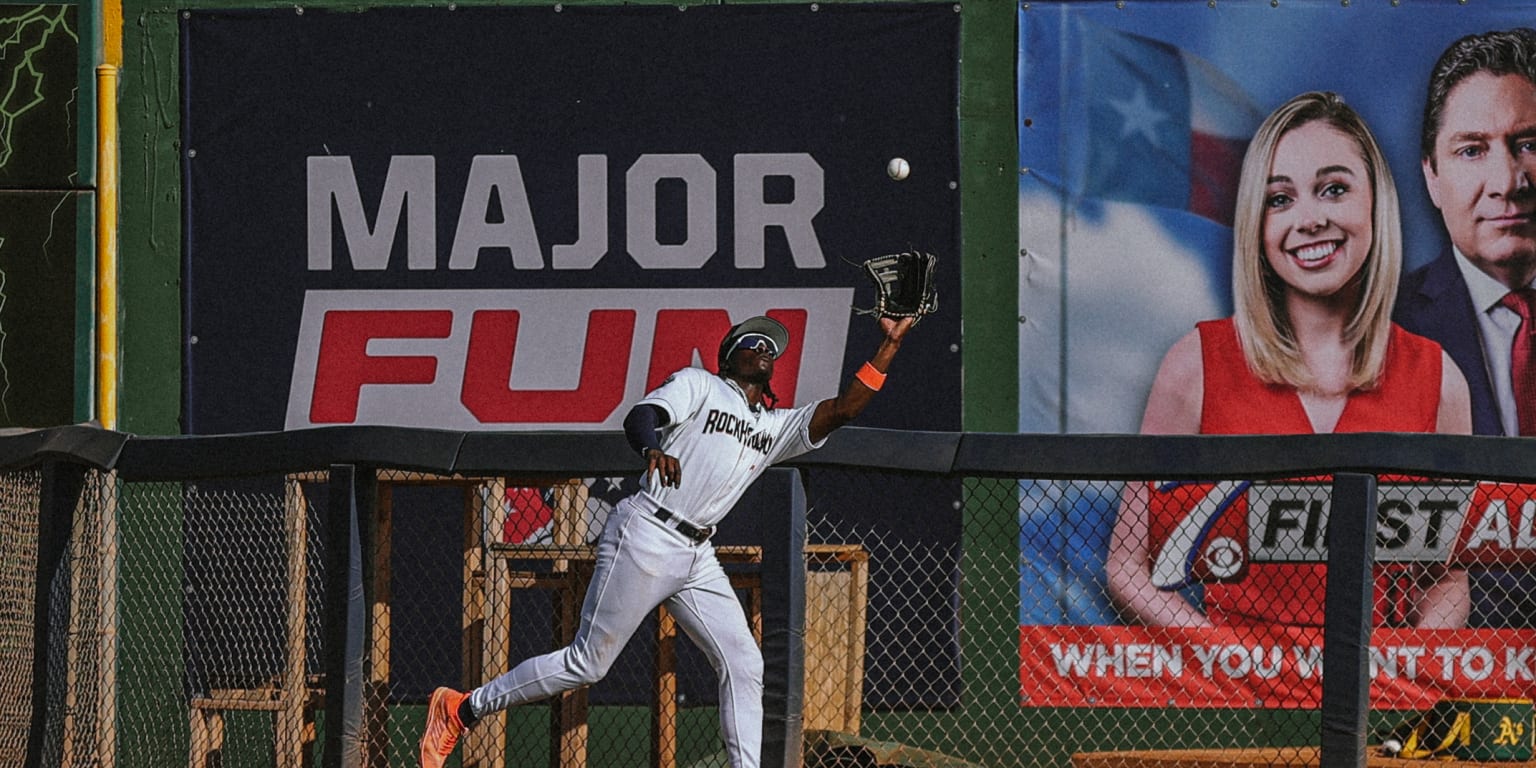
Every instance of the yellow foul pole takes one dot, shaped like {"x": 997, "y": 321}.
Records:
{"x": 106, "y": 245}
{"x": 107, "y": 164}
{"x": 112, "y": 32}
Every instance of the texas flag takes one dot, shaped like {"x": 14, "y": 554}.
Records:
{"x": 1166, "y": 127}
{"x": 1133, "y": 147}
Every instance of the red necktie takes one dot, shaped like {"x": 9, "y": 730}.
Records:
{"x": 1522, "y": 363}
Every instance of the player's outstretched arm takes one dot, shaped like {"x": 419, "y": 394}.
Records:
{"x": 834, "y": 413}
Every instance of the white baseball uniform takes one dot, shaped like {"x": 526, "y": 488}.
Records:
{"x": 722, "y": 445}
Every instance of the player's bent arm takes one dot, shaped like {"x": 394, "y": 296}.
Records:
{"x": 1455, "y": 414}
{"x": 640, "y": 427}
{"x": 834, "y": 413}
{"x": 1128, "y": 569}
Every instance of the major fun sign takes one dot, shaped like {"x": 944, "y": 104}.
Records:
{"x": 535, "y": 359}
{"x": 480, "y": 236}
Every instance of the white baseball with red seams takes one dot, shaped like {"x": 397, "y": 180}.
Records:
{"x": 722, "y": 444}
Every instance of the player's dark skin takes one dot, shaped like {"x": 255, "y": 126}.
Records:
{"x": 752, "y": 370}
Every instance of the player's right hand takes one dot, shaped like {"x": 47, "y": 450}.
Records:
{"x": 668, "y": 469}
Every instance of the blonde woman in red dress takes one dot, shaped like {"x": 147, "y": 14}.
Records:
{"x": 1309, "y": 349}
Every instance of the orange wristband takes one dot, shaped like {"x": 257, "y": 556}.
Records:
{"x": 870, "y": 377}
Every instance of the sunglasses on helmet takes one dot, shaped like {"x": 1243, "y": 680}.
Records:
{"x": 758, "y": 343}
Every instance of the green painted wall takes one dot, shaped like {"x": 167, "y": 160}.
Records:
{"x": 47, "y": 207}
{"x": 149, "y": 215}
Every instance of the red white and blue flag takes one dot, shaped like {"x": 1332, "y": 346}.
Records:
{"x": 1169, "y": 129}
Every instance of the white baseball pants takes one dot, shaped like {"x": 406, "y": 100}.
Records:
{"x": 642, "y": 563}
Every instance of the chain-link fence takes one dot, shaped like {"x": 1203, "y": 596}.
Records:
{"x": 57, "y": 617}
{"x": 951, "y": 618}
{"x": 19, "y": 502}
{"x": 1164, "y": 621}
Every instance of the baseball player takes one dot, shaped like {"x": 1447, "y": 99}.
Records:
{"x": 655, "y": 549}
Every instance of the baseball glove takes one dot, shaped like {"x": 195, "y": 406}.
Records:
{"x": 904, "y": 285}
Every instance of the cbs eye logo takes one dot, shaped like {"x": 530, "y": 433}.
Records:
{"x": 1223, "y": 558}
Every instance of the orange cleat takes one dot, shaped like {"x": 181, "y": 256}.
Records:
{"x": 443, "y": 727}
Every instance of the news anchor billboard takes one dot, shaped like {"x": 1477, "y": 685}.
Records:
{"x": 524, "y": 218}
{"x": 1161, "y": 281}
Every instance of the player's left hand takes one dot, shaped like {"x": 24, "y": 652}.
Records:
{"x": 896, "y": 328}
{"x": 668, "y": 469}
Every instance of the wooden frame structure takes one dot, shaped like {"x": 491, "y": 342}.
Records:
{"x": 493, "y": 570}
{"x": 291, "y": 698}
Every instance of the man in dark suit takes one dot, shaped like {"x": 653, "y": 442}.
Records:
{"x": 1478, "y": 152}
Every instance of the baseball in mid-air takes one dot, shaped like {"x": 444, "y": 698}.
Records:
{"x": 898, "y": 168}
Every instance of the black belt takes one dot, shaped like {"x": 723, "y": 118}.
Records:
{"x": 694, "y": 532}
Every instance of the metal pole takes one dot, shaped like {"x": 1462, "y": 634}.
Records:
{"x": 1347, "y": 610}
{"x": 781, "y": 496}
{"x": 106, "y": 245}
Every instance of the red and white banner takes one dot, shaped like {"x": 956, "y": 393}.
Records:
{"x": 1209, "y": 532}
{"x": 1262, "y": 667}
{"x": 537, "y": 359}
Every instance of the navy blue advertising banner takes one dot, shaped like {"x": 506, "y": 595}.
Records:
{"x": 525, "y": 218}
